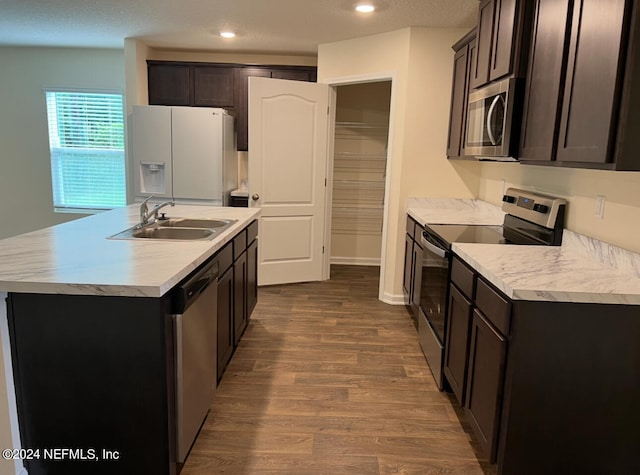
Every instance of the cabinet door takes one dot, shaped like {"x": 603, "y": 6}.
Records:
{"x": 459, "y": 94}
{"x": 416, "y": 280}
{"x": 213, "y": 86}
{"x": 480, "y": 74}
{"x": 239, "y": 296}
{"x": 485, "y": 381}
{"x": 544, "y": 78}
{"x": 457, "y": 346}
{"x": 252, "y": 277}
{"x": 504, "y": 35}
{"x": 241, "y": 98}
{"x": 169, "y": 84}
{"x": 590, "y": 105}
{"x": 225, "y": 320}
{"x": 408, "y": 266}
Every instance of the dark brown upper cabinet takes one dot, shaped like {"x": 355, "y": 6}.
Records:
{"x": 459, "y": 94}
{"x": 213, "y": 86}
{"x": 502, "y": 28}
{"x": 225, "y": 85}
{"x": 169, "y": 84}
{"x": 580, "y": 108}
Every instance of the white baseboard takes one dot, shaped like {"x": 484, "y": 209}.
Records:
{"x": 394, "y": 299}
{"x": 356, "y": 261}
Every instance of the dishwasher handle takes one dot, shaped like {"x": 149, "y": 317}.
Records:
{"x": 189, "y": 290}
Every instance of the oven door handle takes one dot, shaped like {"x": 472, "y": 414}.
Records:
{"x": 433, "y": 247}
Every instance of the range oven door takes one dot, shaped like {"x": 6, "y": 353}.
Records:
{"x": 433, "y": 302}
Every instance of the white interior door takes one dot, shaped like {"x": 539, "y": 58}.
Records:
{"x": 288, "y": 130}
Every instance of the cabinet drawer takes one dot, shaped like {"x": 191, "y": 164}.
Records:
{"x": 494, "y": 306}
{"x": 252, "y": 232}
{"x": 239, "y": 244}
{"x": 463, "y": 277}
{"x": 225, "y": 257}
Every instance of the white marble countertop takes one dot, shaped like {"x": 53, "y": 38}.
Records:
{"x": 77, "y": 258}
{"x": 454, "y": 211}
{"x": 550, "y": 273}
{"x": 582, "y": 270}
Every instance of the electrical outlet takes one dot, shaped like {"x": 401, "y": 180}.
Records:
{"x": 600, "y": 207}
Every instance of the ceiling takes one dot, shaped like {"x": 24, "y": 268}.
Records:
{"x": 266, "y": 26}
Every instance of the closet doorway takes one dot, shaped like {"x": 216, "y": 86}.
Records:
{"x": 359, "y": 172}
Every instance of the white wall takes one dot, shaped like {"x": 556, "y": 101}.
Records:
{"x": 25, "y": 173}
{"x": 420, "y": 61}
{"x": 621, "y": 223}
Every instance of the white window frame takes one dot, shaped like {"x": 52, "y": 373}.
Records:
{"x": 82, "y": 145}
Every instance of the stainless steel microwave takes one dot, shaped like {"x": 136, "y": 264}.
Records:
{"x": 490, "y": 115}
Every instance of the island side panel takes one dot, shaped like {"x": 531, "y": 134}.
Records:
{"x": 572, "y": 390}
{"x": 95, "y": 372}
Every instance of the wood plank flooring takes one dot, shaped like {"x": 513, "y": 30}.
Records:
{"x": 329, "y": 380}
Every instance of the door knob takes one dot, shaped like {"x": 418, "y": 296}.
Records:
{"x": 255, "y": 197}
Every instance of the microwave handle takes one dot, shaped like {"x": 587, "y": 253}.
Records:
{"x": 492, "y": 109}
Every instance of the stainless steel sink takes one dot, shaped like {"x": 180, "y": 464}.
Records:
{"x": 184, "y": 234}
{"x": 177, "y": 229}
{"x": 194, "y": 223}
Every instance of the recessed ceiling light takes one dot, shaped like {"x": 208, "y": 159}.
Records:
{"x": 365, "y": 8}
{"x": 227, "y": 34}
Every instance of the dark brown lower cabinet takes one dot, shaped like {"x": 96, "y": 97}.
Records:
{"x": 408, "y": 255}
{"x": 252, "y": 277}
{"x": 94, "y": 373}
{"x": 225, "y": 320}
{"x": 457, "y": 344}
{"x": 485, "y": 381}
{"x": 413, "y": 257}
{"x": 551, "y": 387}
{"x": 239, "y": 296}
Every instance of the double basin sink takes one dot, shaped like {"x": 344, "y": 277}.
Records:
{"x": 177, "y": 229}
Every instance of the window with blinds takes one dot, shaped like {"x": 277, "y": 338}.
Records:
{"x": 86, "y": 140}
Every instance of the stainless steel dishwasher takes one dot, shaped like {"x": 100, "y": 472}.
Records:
{"x": 195, "y": 322}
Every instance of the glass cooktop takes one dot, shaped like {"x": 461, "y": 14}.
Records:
{"x": 483, "y": 234}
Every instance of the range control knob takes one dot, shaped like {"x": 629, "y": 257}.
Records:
{"x": 544, "y": 209}
{"x": 509, "y": 199}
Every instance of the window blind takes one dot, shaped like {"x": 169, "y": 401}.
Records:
{"x": 86, "y": 141}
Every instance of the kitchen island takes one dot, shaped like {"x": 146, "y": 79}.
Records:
{"x": 89, "y": 321}
{"x": 542, "y": 347}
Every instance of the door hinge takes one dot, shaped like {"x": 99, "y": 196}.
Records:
{"x": 323, "y": 249}
{"x": 325, "y": 182}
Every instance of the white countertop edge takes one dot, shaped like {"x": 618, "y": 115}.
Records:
{"x": 575, "y": 297}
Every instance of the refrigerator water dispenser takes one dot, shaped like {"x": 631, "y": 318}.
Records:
{"x": 152, "y": 178}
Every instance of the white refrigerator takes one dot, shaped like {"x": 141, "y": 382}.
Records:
{"x": 184, "y": 153}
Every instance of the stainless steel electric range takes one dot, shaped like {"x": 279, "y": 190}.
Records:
{"x": 531, "y": 219}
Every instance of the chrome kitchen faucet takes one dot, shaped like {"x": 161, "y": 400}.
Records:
{"x": 146, "y": 216}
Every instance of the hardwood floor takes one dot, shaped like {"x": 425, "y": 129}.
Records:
{"x": 329, "y": 380}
